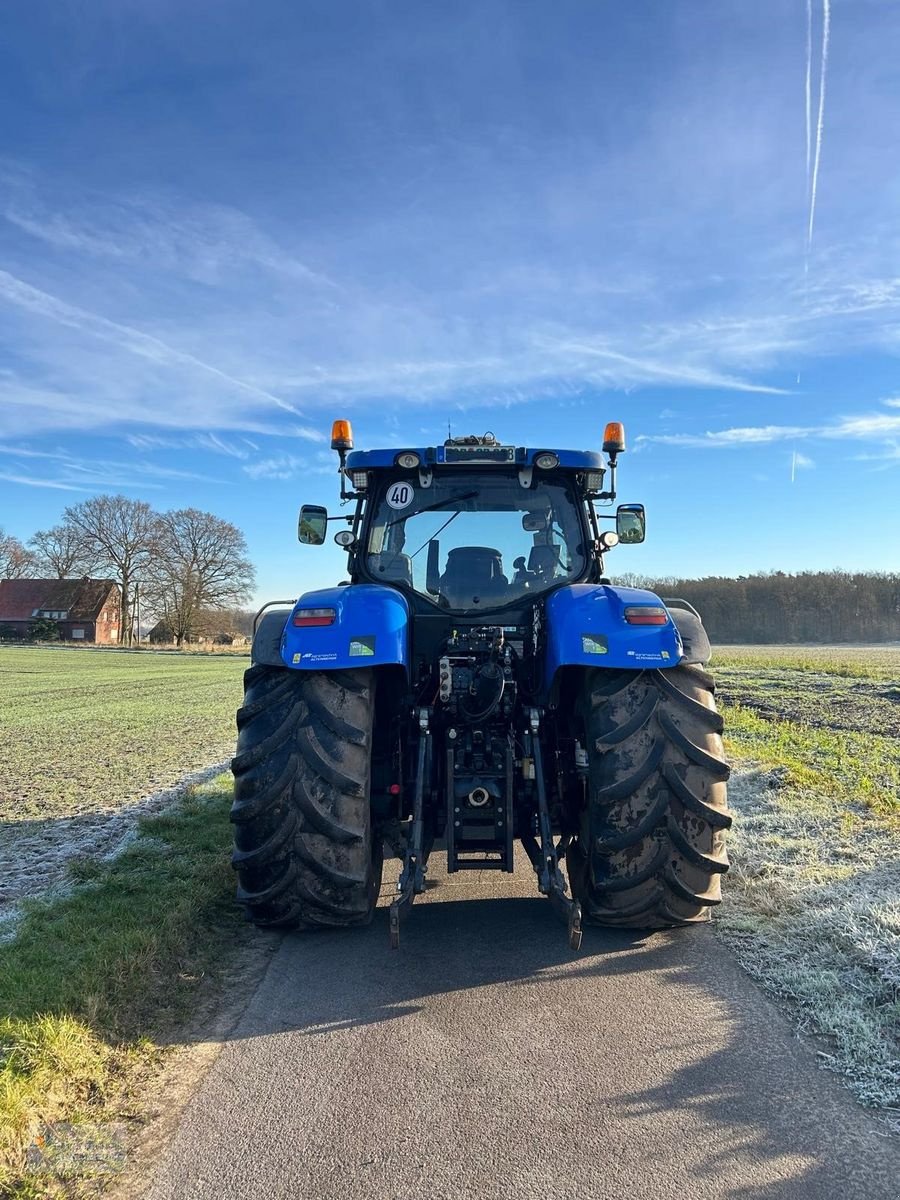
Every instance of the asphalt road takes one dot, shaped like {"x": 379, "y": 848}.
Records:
{"x": 483, "y": 1059}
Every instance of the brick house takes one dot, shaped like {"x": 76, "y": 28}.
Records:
{"x": 85, "y": 610}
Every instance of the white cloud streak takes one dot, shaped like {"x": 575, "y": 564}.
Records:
{"x": 820, "y": 121}
{"x": 30, "y": 481}
{"x": 89, "y": 475}
{"x": 289, "y": 466}
{"x": 866, "y": 427}
{"x": 204, "y": 242}
{"x": 16, "y": 291}
{"x": 808, "y": 90}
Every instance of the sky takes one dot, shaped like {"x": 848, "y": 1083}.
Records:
{"x": 223, "y": 225}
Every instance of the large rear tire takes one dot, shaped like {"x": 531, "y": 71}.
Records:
{"x": 650, "y": 850}
{"x": 304, "y": 850}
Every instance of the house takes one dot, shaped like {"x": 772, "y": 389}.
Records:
{"x": 162, "y": 634}
{"x": 85, "y": 610}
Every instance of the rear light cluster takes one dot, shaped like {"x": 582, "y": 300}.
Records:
{"x": 646, "y": 614}
{"x": 314, "y": 616}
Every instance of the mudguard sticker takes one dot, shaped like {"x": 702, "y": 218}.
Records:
{"x": 362, "y": 647}
{"x": 594, "y": 643}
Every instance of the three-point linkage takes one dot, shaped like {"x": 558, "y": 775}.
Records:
{"x": 412, "y": 877}
{"x": 545, "y": 858}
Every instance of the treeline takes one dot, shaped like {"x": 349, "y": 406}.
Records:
{"x": 809, "y": 606}
{"x": 184, "y": 564}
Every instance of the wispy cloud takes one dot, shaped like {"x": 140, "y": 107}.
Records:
{"x": 33, "y": 481}
{"x": 761, "y": 435}
{"x": 869, "y": 426}
{"x": 290, "y": 466}
{"x": 17, "y": 291}
{"x": 93, "y": 474}
{"x": 198, "y": 441}
{"x": 203, "y": 242}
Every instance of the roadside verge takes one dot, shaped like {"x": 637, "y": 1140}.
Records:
{"x": 812, "y": 902}
{"x": 93, "y": 983}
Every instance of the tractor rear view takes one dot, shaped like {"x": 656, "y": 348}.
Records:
{"x": 479, "y": 683}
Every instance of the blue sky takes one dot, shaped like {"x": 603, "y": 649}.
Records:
{"x": 223, "y": 225}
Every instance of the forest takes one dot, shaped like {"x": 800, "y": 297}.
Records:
{"x": 807, "y": 606}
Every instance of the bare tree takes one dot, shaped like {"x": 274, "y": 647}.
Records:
{"x": 122, "y": 536}
{"x": 201, "y": 567}
{"x": 16, "y": 561}
{"x": 63, "y": 551}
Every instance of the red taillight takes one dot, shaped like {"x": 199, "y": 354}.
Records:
{"x": 314, "y": 616}
{"x": 646, "y": 614}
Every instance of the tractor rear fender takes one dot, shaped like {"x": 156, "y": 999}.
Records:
{"x": 696, "y": 650}
{"x": 359, "y": 625}
{"x": 266, "y": 649}
{"x": 588, "y": 625}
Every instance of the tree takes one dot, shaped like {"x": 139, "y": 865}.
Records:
{"x": 42, "y": 629}
{"x": 201, "y": 567}
{"x": 122, "y": 536}
{"x": 63, "y": 551}
{"x": 16, "y": 561}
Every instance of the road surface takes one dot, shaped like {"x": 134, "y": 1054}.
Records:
{"x": 483, "y": 1059}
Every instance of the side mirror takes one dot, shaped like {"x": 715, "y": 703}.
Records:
{"x": 631, "y": 523}
{"x": 535, "y": 522}
{"x": 312, "y": 525}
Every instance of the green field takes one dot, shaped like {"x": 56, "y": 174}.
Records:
{"x": 97, "y": 975}
{"x": 84, "y": 730}
{"x": 812, "y": 902}
{"x": 96, "y": 969}
{"x": 830, "y": 716}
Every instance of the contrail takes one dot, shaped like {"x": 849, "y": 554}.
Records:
{"x": 820, "y": 124}
{"x": 809, "y": 90}
{"x": 22, "y": 294}
{"x": 793, "y": 466}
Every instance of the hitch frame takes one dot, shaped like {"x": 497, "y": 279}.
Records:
{"x": 545, "y": 858}
{"x": 412, "y": 877}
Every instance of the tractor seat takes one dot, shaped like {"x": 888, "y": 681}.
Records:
{"x": 474, "y": 571}
{"x": 544, "y": 561}
{"x": 392, "y": 568}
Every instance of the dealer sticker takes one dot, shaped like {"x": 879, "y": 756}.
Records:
{"x": 594, "y": 643}
{"x": 362, "y": 647}
{"x": 400, "y": 495}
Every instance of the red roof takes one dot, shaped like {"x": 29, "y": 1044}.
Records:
{"x": 82, "y": 599}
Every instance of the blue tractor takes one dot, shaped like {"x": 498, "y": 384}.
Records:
{"x": 479, "y": 682}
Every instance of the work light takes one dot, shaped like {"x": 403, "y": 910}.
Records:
{"x": 547, "y": 460}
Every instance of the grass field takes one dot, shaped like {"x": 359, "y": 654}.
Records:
{"x": 97, "y": 970}
{"x": 94, "y": 972}
{"x": 829, "y": 716}
{"x": 812, "y": 903}
{"x": 85, "y": 730}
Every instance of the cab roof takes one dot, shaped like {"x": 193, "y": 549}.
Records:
{"x": 478, "y": 455}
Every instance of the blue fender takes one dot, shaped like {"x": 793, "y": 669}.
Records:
{"x": 586, "y": 626}
{"x": 369, "y": 630}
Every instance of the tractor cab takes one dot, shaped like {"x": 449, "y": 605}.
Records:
{"x": 475, "y": 526}
{"x": 474, "y": 540}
